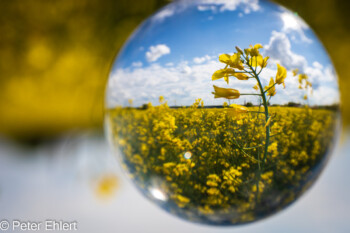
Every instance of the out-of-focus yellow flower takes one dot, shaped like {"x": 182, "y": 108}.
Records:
{"x": 305, "y": 97}
{"x": 303, "y": 77}
{"x": 239, "y": 108}
{"x": 256, "y": 87}
{"x": 107, "y": 186}
{"x": 182, "y": 201}
{"x": 130, "y": 101}
{"x": 308, "y": 84}
{"x": 295, "y": 72}
{"x": 271, "y": 89}
{"x": 223, "y": 73}
{"x": 161, "y": 99}
{"x": 241, "y": 76}
{"x": 233, "y": 61}
{"x": 281, "y": 74}
{"x": 227, "y": 93}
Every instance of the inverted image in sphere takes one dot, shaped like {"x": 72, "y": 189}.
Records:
{"x": 223, "y": 112}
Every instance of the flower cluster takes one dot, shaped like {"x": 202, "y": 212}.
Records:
{"x": 206, "y": 160}
{"x": 243, "y": 66}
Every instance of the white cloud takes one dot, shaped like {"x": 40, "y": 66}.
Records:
{"x": 157, "y": 51}
{"x": 279, "y": 50}
{"x": 317, "y": 65}
{"x": 137, "y": 64}
{"x": 229, "y": 5}
{"x": 176, "y": 7}
{"x": 206, "y": 8}
{"x": 165, "y": 13}
{"x": 199, "y": 60}
{"x": 322, "y": 77}
{"x": 294, "y": 24}
{"x": 186, "y": 81}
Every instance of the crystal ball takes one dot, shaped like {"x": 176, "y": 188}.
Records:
{"x": 223, "y": 112}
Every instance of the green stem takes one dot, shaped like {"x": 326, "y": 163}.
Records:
{"x": 249, "y": 148}
{"x": 267, "y": 139}
{"x": 249, "y": 94}
{"x": 266, "y": 108}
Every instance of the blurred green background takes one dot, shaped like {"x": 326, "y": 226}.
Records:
{"x": 55, "y": 57}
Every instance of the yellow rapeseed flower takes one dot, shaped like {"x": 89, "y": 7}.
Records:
{"x": 227, "y": 93}
{"x": 254, "y": 50}
{"x": 233, "y": 61}
{"x": 223, "y": 73}
{"x": 258, "y": 61}
{"x": 281, "y": 74}
{"x": 271, "y": 89}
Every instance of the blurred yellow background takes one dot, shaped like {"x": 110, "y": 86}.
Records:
{"x": 55, "y": 57}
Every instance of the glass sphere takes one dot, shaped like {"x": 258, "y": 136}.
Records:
{"x": 223, "y": 112}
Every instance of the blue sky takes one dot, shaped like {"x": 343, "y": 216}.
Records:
{"x": 183, "y": 41}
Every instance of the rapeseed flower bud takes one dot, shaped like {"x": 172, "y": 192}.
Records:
{"x": 241, "y": 76}
{"x": 227, "y": 93}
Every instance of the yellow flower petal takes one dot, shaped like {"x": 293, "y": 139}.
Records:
{"x": 225, "y": 58}
{"x": 281, "y": 74}
{"x": 223, "y": 73}
{"x": 271, "y": 88}
{"x": 258, "y": 61}
{"x": 233, "y": 61}
{"x": 236, "y": 61}
{"x": 258, "y": 46}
